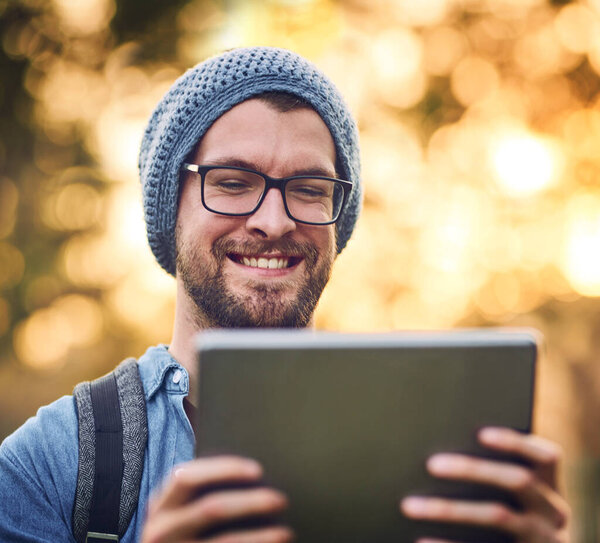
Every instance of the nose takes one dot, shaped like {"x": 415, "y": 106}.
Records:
{"x": 270, "y": 221}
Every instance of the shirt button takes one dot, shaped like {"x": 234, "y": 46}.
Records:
{"x": 177, "y": 376}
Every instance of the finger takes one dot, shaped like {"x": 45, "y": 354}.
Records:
{"x": 544, "y": 454}
{"x": 191, "y": 477}
{"x": 219, "y": 508}
{"x": 275, "y": 534}
{"x": 534, "y": 494}
{"x": 461, "y": 512}
{"x": 485, "y": 514}
{"x": 457, "y": 511}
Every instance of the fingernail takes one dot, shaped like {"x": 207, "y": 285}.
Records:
{"x": 414, "y": 506}
{"x": 281, "y": 499}
{"x": 253, "y": 467}
{"x": 491, "y": 435}
{"x": 440, "y": 463}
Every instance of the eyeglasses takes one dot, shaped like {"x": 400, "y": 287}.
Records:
{"x": 228, "y": 190}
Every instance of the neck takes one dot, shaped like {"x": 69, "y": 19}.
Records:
{"x": 185, "y": 329}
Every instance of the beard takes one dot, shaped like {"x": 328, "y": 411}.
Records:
{"x": 261, "y": 304}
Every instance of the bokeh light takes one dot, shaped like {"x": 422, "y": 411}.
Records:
{"x": 444, "y": 47}
{"x": 524, "y": 164}
{"x": 577, "y": 27}
{"x": 12, "y": 265}
{"x": 73, "y": 207}
{"x": 9, "y": 198}
{"x": 423, "y": 13}
{"x": 4, "y": 316}
{"x": 473, "y": 79}
{"x": 45, "y": 337}
{"x": 582, "y": 254}
{"x": 84, "y": 16}
{"x": 42, "y": 340}
{"x": 397, "y": 59}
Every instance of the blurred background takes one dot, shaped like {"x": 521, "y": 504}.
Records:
{"x": 480, "y": 132}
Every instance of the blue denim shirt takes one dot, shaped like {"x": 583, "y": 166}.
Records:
{"x": 38, "y": 463}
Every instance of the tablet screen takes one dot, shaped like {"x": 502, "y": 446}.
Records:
{"x": 343, "y": 424}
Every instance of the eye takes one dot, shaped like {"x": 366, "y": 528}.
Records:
{"x": 232, "y": 182}
{"x": 307, "y": 190}
{"x": 310, "y": 189}
{"x": 233, "y": 185}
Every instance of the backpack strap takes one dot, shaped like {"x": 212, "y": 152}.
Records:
{"x": 113, "y": 432}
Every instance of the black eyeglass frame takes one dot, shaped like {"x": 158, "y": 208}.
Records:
{"x": 270, "y": 182}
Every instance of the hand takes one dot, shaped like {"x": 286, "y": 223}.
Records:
{"x": 174, "y": 515}
{"x": 545, "y": 514}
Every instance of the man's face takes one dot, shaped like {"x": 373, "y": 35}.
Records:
{"x": 225, "y": 264}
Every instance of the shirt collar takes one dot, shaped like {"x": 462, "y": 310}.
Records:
{"x": 154, "y": 365}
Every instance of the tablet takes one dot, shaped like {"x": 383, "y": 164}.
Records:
{"x": 343, "y": 423}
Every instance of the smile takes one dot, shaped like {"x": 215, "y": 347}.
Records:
{"x": 266, "y": 262}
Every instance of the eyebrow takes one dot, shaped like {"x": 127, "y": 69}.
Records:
{"x": 249, "y": 165}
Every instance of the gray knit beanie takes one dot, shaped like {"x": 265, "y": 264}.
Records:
{"x": 204, "y": 93}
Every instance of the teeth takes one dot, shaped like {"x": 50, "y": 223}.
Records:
{"x": 265, "y": 263}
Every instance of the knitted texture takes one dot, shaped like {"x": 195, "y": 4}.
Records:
{"x": 135, "y": 437}
{"x": 87, "y": 461}
{"x": 132, "y": 407}
{"x": 204, "y": 93}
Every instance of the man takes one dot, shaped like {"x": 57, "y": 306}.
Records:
{"x": 250, "y": 176}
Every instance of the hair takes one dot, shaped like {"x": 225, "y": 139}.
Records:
{"x": 283, "y": 101}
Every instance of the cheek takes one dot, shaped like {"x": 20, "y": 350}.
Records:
{"x": 197, "y": 225}
{"x": 324, "y": 239}
{"x": 187, "y": 210}
{"x": 330, "y": 236}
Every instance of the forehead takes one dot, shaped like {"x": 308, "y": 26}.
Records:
{"x": 276, "y": 142}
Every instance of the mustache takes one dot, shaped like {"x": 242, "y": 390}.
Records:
{"x": 224, "y": 246}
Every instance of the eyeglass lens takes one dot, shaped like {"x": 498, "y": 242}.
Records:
{"x": 238, "y": 192}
